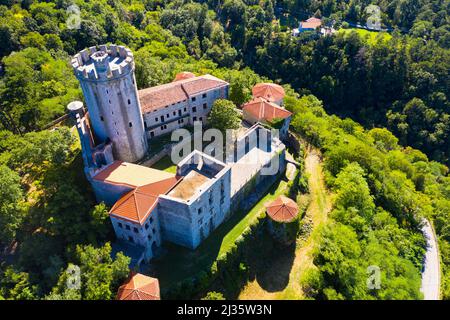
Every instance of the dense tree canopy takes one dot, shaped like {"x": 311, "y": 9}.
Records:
{"x": 224, "y": 115}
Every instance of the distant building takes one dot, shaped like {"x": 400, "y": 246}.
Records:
{"x": 139, "y": 287}
{"x": 312, "y": 24}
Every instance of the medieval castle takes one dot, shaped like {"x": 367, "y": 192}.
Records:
{"x": 150, "y": 206}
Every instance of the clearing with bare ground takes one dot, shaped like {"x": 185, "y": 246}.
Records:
{"x": 292, "y": 265}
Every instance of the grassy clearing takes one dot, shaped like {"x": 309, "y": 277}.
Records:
{"x": 180, "y": 263}
{"x": 371, "y": 36}
{"x": 295, "y": 264}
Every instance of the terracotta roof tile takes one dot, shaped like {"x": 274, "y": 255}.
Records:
{"x": 200, "y": 84}
{"x": 269, "y": 91}
{"x": 134, "y": 206}
{"x": 282, "y": 209}
{"x": 184, "y": 75}
{"x": 311, "y": 23}
{"x": 174, "y": 92}
{"x": 139, "y": 287}
{"x": 262, "y": 109}
{"x": 139, "y": 203}
{"x": 161, "y": 96}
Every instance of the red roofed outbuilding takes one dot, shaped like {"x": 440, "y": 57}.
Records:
{"x": 272, "y": 92}
{"x": 283, "y": 219}
{"x": 139, "y": 287}
{"x": 261, "y": 110}
{"x": 184, "y": 75}
{"x": 282, "y": 209}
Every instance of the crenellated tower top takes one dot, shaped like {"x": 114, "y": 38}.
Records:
{"x": 103, "y": 63}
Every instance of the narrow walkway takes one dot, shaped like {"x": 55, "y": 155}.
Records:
{"x": 431, "y": 273}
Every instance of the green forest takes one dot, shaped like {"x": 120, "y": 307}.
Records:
{"x": 376, "y": 107}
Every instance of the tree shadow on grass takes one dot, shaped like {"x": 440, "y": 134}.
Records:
{"x": 272, "y": 264}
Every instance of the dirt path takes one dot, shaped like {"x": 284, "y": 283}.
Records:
{"x": 317, "y": 212}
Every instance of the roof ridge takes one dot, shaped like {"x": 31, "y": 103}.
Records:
{"x": 136, "y": 204}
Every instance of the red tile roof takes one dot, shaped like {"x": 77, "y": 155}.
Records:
{"x": 135, "y": 206}
{"x": 200, "y": 84}
{"x": 161, "y": 96}
{"x": 139, "y": 287}
{"x": 264, "y": 110}
{"x": 169, "y": 93}
{"x": 311, "y": 23}
{"x": 138, "y": 204}
{"x": 184, "y": 75}
{"x": 269, "y": 91}
{"x": 282, "y": 209}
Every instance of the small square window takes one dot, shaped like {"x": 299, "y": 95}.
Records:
{"x": 130, "y": 238}
{"x": 152, "y": 134}
{"x": 135, "y": 230}
{"x": 130, "y": 124}
{"x": 153, "y": 230}
{"x": 151, "y": 219}
{"x": 120, "y": 225}
{"x": 194, "y": 109}
{"x": 195, "y": 118}
{"x": 129, "y": 101}
{"x": 193, "y": 98}
{"x": 204, "y": 95}
{"x": 146, "y": 226}
{"x": 149, "y": 237}
{"x": 156, "y": 119}
{"x": 101, "y": 118}
{"x": 127, "y": 227}
{"x": 174, "y": 113}
{"x": 184, "y": 109}
{"x": 205, "y": 106}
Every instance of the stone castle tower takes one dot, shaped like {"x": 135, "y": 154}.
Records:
{"x": 108, "y": 83}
